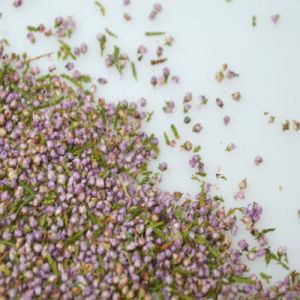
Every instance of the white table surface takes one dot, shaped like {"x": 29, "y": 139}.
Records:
{"x": 207, "y": 34}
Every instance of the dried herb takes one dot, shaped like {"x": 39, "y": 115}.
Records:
{"x": 154, "y": 62}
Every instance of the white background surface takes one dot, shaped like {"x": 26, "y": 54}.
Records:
{"x": 207, "y": 34}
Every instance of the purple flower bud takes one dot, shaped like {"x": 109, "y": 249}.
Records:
{"x": 163, "y": 166}
{"x": 31, "y": 37}
{"x": 69, "y": 66}
{"x": 101, "y": 80}
{"x": 142, "y": 102}
{"x": 275, "y": 18}
{"x": 169, "y": 107}
{"x": 153, "y": 80}
{"x": 226, "y": 120}
{"x": 6, "y": 235}
{"x": 197, "y": 128}
{"x": 261, "y": 252}
{"x": 258, "y": 160}
{"x": 282, "y": 250}
{"x": 83, "y": 48}
{"x": 166, "y": 72}
{"x": 243, "y": 245}
{"x": 37, "y": 248}
{"x": 231, "y": 74}
{"x": 219, "y": 102}
{"x": 157, "y": 7}
{"x": 175, "y": 79}
{"x": 142, "y": 49}
{"x": 99, "y": 36}
{"x": 17, "y": 3}
{"x": 77, "y": 51}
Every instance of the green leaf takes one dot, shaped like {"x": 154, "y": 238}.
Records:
{"x": 269, "y": 256}
{"x": 50, "y": 103}
{"x": 264, "y": 232}
{"x": 103, "y": 44}
{"x": 101, "y": 266}
{"x": 80, "y": 150}
{"x": 149, "y": 33}
{"x": 160, "y": 234}
{"x": 49, "y": 201}
{"x": 32, "y": 28}
{"x": 218, "y": 199}
{"x": 117, "y": 59}
{"x": 187, "y": 229}
{"x": 133, "y": 69}
{"x": 116, "y": 119}
{"x": 18, "y": 205}
{"x": 124, "y": 187}
{"x": 158, "y": 224}
{"x": 131, "y": 146}
{"x": 202, "y": 195}
{"x": 186, "y": 297}
{"x": 103, "y": 114}
{"x": 98, "y": 232}
{"x": 197, "y": 149}
{"x": 94, "y": 219}
{"x": 109, "y": 32}
{"x": 66, "y": 219}
{"x": 73, "y": 126}
{"x": 157, "y": 285}
{"x": 101, "y": 7}
{"x": 254, "y": 23}
{"x": 266, "y": 277}
{"x": 149, "y": 116}
{"x": 66, "y": 50}
{"x": 76, "y": 236}
{"x": 183, "y": 272}
{"x": 27, "y": 188}
{"x": 240, "y": 279}
{"x": 4, "y": 269}
{"x": 178, "y": 213}
{"x": 67, "y": 170}
{"x": 294, "y": 275}
{"x": 167, "y": 140}
{"x": 6, "y": 188}
{"x": 53, "y": 265}
{"x": 175, "y": 132}
{"x": 6, "y": 243}
{"x": 200, "y": 240}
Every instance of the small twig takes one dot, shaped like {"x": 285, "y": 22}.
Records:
{"x": 38, "y": 57}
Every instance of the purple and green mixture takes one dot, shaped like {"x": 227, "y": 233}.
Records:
{"x": 82, "y": 215}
